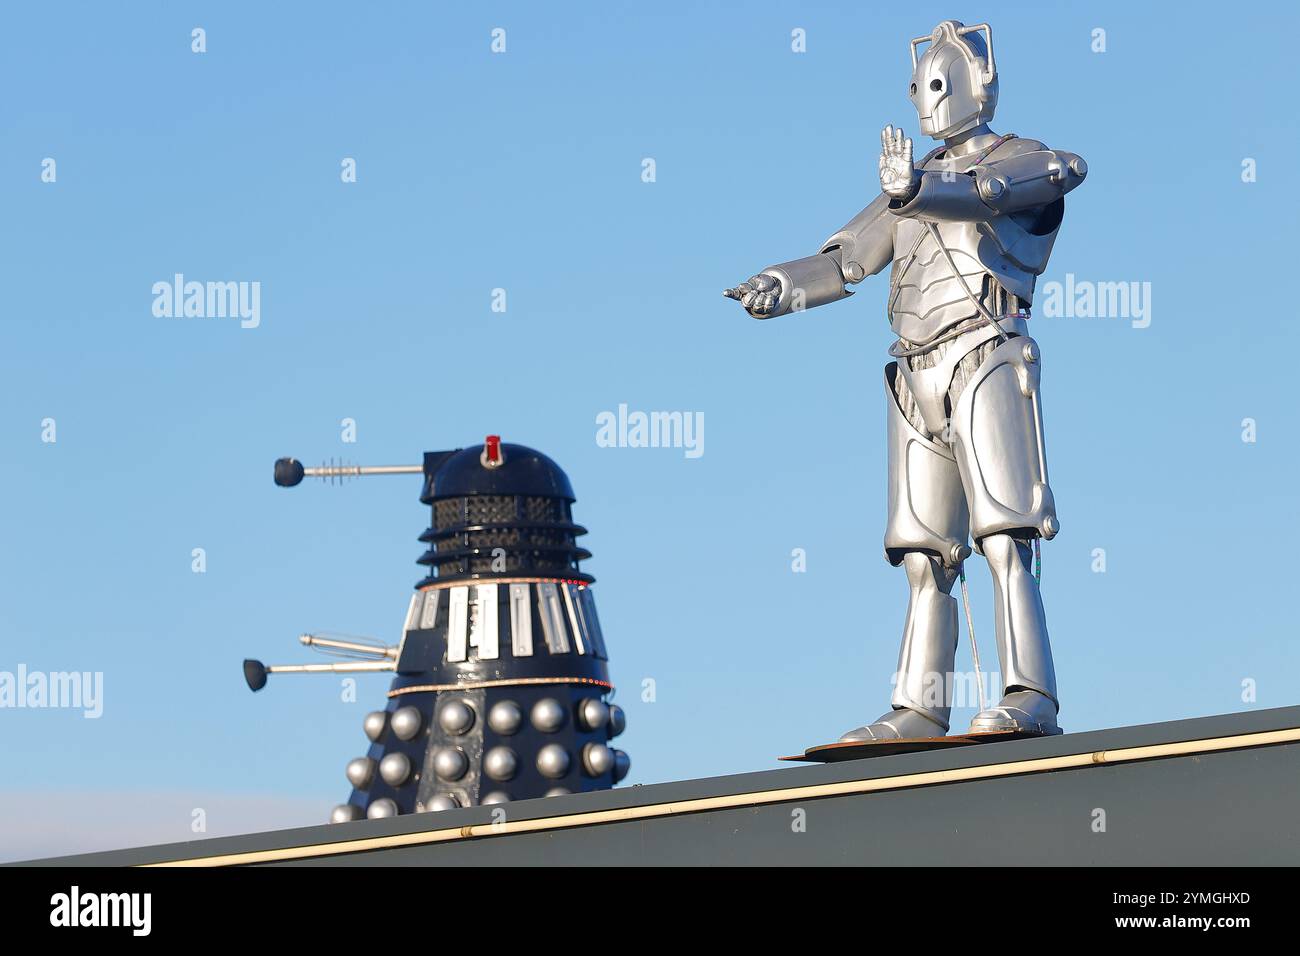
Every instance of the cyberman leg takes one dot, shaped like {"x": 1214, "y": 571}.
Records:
{"x": 926, "y": 533}
{"x": 998, "y": 443}
{"x": 921, "y": 703}
{"x": 1029, "y": 702}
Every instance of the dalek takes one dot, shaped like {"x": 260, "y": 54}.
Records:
{"x": 501, "y": 689}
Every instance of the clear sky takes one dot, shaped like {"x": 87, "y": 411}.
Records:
{"x": 523, "y": 171}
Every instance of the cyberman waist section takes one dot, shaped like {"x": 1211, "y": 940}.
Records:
{"x": 502, "y": 671}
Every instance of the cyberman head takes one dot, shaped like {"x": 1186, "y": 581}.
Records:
{"x": 955, "y": 82}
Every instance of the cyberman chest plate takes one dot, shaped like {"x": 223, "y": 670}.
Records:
{"x": 930, "y": 281}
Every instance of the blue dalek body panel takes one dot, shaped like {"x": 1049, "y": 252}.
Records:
{"x": 502, "y": 671}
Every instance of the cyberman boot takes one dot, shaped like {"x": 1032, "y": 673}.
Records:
{"x": 897, "y": 724}
{"x": 1025, "y": 710}
{"x": 922, "y": 690}
{"x": 1029, "y": 703}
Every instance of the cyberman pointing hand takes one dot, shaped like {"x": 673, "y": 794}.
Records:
{"x": 965, "y": 232}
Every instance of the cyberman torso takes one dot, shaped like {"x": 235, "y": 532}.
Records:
{"x": 997, "y": 260}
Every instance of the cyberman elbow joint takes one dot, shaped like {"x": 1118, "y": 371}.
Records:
{"x": 1030, "y": 179}
{"x": 1026, "y": 180}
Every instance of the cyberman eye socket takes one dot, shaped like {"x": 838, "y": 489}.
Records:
{"x": 936, "y": 85}
{"x": 912, "y": 91}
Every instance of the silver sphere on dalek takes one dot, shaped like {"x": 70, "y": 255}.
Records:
{"x": 502, "y": 674}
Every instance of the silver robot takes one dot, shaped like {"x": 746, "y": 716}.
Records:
{"x": 965, "y": 230}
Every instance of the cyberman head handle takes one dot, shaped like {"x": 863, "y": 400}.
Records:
{"x": 955, "y": 82}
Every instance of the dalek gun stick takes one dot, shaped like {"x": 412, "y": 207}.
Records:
{"x": 501, "y": 689}
{"x": 352, "y": 647}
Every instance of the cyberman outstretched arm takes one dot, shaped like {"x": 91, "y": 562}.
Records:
{"x": 861, "y": 248}
{"x": 1031, "y": 176}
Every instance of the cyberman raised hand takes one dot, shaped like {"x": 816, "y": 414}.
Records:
{"x": 899, "y": 178}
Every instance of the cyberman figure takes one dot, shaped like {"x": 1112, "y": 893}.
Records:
{"x": 965, "y": 232}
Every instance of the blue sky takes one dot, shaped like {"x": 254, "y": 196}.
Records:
{"x": 523, "y": 171}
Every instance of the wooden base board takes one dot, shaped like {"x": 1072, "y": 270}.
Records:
{"x": 860, "y": 749}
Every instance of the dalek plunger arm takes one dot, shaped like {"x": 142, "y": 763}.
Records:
{"x": 367, "y": 658}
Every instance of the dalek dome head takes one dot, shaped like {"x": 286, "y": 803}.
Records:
{"x": 493, "y": 468}
{"x": 499, "y": 510}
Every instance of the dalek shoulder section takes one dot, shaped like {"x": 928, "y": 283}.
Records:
{"x": 489, "y": 630}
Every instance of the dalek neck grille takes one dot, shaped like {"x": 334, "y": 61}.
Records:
{"x": 502, "y": 511}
